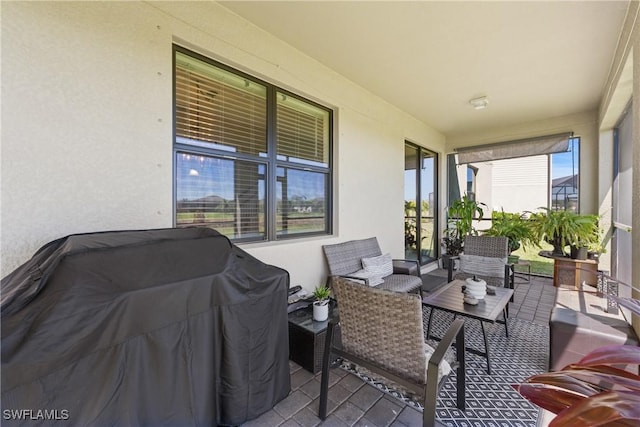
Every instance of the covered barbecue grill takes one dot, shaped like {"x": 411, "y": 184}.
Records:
{"x": 170, "y": 327}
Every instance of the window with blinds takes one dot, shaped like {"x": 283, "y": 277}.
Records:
{"x": 252, "y": 160}
{"x": 302, "y": 132}
{"x": 217, "y": 109}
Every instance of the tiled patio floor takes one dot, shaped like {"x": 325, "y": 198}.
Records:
{"x": 354, "y": 403}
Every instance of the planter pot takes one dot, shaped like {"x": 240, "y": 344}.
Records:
{"x": 447, "y": 259}
{"x": 558, "y": 250}
{"x": 321, "y": 310}
{"x": 579, "y": 253}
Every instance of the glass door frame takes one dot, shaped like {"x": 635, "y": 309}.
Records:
{"x": 421, "y": 154}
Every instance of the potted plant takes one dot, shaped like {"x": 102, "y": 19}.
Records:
{"x": 321, "y": 304}
{"x": 562, "y": 228}
{"x": 461, "y": 214}
{"x": 579, "y": 251}
{"x": 460, "y": 224}
{"x": 515, "y": 227}
{"x": 587, "y": 235}
{"x": 451, "y": 243}
{"x": 595, "y": 249}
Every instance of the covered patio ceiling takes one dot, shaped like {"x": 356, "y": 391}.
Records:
{"x": 534, "y": 60}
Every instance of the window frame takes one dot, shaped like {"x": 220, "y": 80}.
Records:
{"x": 271, "y": 160}
{"x": 471, "y": 193}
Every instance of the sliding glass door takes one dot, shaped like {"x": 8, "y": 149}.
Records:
{"x": 420, "y": 203}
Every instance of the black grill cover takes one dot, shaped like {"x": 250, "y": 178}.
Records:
{"x": 171, "y": 327}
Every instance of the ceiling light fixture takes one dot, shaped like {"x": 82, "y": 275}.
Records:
{"x": 479, "y": 103}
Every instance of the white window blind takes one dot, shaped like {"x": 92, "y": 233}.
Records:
{"x": 215, "y": 107}
{"x": 518, "y": 148}
{"x": 302, "y": 131}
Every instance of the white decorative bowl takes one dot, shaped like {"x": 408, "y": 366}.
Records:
{"x": 470, "y": 300}
{"x": 475, "y": 294}
{"x": 476, "y": 289}
{"x": 475, "y": 283}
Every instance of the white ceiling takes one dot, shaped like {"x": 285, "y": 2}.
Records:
{"x": 534, "y": 60}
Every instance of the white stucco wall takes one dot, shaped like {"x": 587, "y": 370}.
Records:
{"x": 87, "y": 125}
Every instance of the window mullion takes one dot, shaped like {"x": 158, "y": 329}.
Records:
{"x": 272, "y": 167}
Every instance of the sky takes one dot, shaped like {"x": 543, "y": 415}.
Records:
{"x": 562, "y": 164}
{"x": 427, "y": 184}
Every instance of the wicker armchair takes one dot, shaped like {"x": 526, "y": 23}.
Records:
{"x": 345, "y": 259}
{"x": 486, "y": 258}
{"x": 382, "y": 331}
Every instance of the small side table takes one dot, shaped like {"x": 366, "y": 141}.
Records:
{"x": 568, "y": 272}
{"x": 524, "y": 264}
{"x": 306, "y": 338}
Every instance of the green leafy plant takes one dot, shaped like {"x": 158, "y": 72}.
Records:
{"x": 452, "y": 244}
{"x": 322, "y": 293}
{"x": 461, "y": 214}
{"x": 599, "y": 245}
{"x": 410, "y": 220}
{"x": 595, "y": 391}
{"x": 514, "y": 226}
{"x": 562, "y": 228}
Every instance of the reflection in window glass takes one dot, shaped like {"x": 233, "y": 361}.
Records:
{"x": 301, "y": 201}
{"x": 225, "y": 194}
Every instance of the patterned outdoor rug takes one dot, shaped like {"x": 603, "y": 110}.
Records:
{"x": 491, "y": 401}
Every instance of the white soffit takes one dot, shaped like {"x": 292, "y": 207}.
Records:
{"x": 534, "y": 59}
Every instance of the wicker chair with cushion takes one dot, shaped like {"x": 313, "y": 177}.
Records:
{"x": 364, "y": 261}
{"x": 486, "y": 258}
{"x": 382, "y": 332}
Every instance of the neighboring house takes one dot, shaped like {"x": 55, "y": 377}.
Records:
{"x": 512, "y": 185}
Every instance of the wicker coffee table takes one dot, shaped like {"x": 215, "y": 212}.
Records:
{"x": 450, "y": 298}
